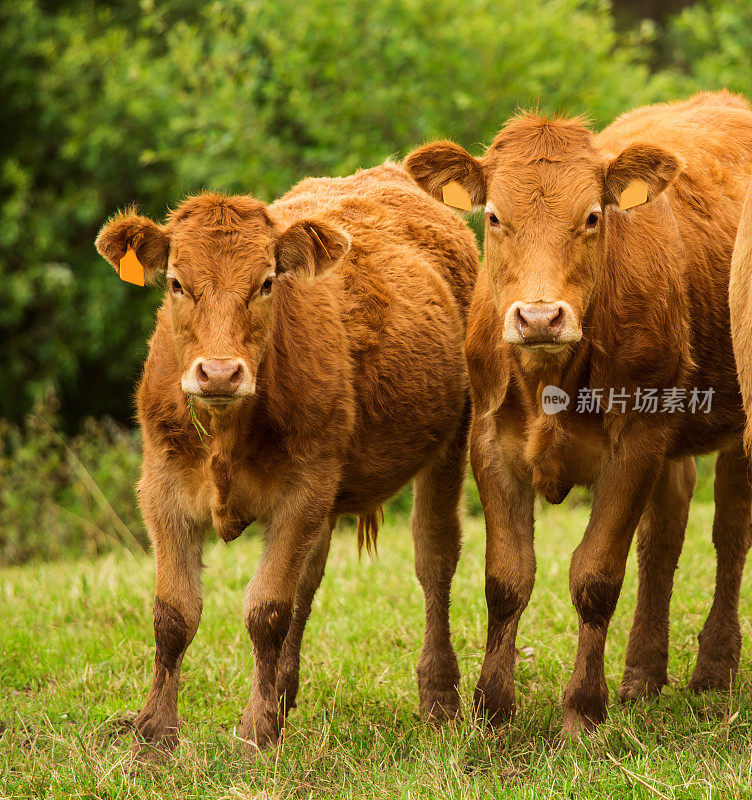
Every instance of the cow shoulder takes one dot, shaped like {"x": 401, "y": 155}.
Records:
{"x": 641, "y": 318}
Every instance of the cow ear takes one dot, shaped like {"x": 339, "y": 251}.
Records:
{"x": 639, "y": 174}
{"x": 150, "y": 242}
{"x": 437, "y": 164}
{"x": 309, "y": 248}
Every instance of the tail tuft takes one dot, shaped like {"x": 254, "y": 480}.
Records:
{"x": 368, "y": 531}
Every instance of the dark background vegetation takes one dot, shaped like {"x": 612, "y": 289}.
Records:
{"x": 109, "y": 103}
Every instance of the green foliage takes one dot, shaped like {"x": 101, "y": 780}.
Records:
{"x": 59, "y": 499}
{"x": 712, "y": 43}
{"x": 108, "y": 103}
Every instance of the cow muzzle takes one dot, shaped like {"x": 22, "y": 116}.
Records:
{"x": 218, "y": 381}
{"x": 549, "y": 327}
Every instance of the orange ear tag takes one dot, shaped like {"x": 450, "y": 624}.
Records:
{"x": 456, "y": 196}
{"x": 635, "y": 194}
{"x": 131, "y": 269}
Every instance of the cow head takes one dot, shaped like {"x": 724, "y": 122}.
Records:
{"x": 224, "y": 259}
{"x": 544, "y": 186}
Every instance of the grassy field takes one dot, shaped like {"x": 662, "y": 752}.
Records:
{"x": 76, "y": 652}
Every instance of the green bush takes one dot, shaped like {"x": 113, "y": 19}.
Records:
{"x": 59, "y": 499}
{"x": 711, "y": 43}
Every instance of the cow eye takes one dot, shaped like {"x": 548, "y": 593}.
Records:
{"x": 493, "y": 220}
{"x": 266, "y": 286}
{"x": 175, "y": 286}
{"x": 591, "y": 223}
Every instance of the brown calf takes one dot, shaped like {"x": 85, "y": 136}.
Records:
{"x": 319, "y": 341}
{"x": 580, "y": 295}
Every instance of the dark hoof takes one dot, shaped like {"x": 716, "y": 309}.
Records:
{"x": 575, "y": 726}
{"x": 494, "y": 704}
{"x": 147, "y": 755}
{"x": 258, "y": 732}
{"x": 439, "y": 707}
{"x": 710, "y": 677}
{"x": 152, "y": 729}
{"x": 638, "y": 684}
{"x": 438, "y": 679}
{"x": 718, "y": 657}
{"x": 584, "y": 711}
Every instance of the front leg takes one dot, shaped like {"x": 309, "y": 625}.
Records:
{"x": 268, "y": 611}
{"x": 598, "y": 564}
{"x": 508, "y": 500}
{"x": 178, "y": 545}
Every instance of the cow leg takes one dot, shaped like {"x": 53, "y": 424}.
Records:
{"x": 597, "y": 570}
{"x": 660, "y": 536}
{"x": 721, "y": 640}
{"x": 437, "y": 537}
{"x": 508, "y": 501}
{"x": 177, "y": 611}
{"x": 288, "y": 669}
{"x": 268, "y": 612}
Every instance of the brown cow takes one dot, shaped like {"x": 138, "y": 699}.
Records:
{"x": 319, "y": 342}
{"x": 740, "y": 303}
{"x": 580, "y": 295}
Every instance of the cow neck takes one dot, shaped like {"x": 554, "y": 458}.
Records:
{"x": 569, "y": 374}
{"x": 224, "y": 429}
{"x": 546, "y": 437}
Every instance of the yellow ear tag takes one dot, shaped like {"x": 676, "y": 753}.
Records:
{"x": 456, "y": 196}
{"x": 635, "y": 194}
{"x": 131, "y": 269}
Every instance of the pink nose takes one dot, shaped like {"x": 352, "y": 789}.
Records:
{"x": 219, "y": 376}
{"x": 540, "y": 322}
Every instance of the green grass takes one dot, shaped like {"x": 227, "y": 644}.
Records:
{"x": 76, "y": 649}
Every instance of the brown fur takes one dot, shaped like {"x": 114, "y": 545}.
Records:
{"x": 356, "y": 355}
{"x": 740, "y": 303}
{"x": 644, "y": 297}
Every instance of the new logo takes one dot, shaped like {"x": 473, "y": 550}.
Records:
{"x": 554, "y": 400}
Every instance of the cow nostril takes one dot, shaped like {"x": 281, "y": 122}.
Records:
{"x": 520, "y": 319}
{"x": 201, "y": 373}
{"x": 558, "y": 318}
{"x": 236, "y": 376}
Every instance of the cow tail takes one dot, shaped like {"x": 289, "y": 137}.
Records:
{"x": 368, "y": 531}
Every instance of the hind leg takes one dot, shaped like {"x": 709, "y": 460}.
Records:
{"x": 437, "y": 539}
{"x": 720, "y": 640}
{"x": 660, "y": 536}
{"x": 288, "y": 669}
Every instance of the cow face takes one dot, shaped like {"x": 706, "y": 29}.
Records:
{"x": 224, "y": 259}
{"x": 545, "y": 189}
